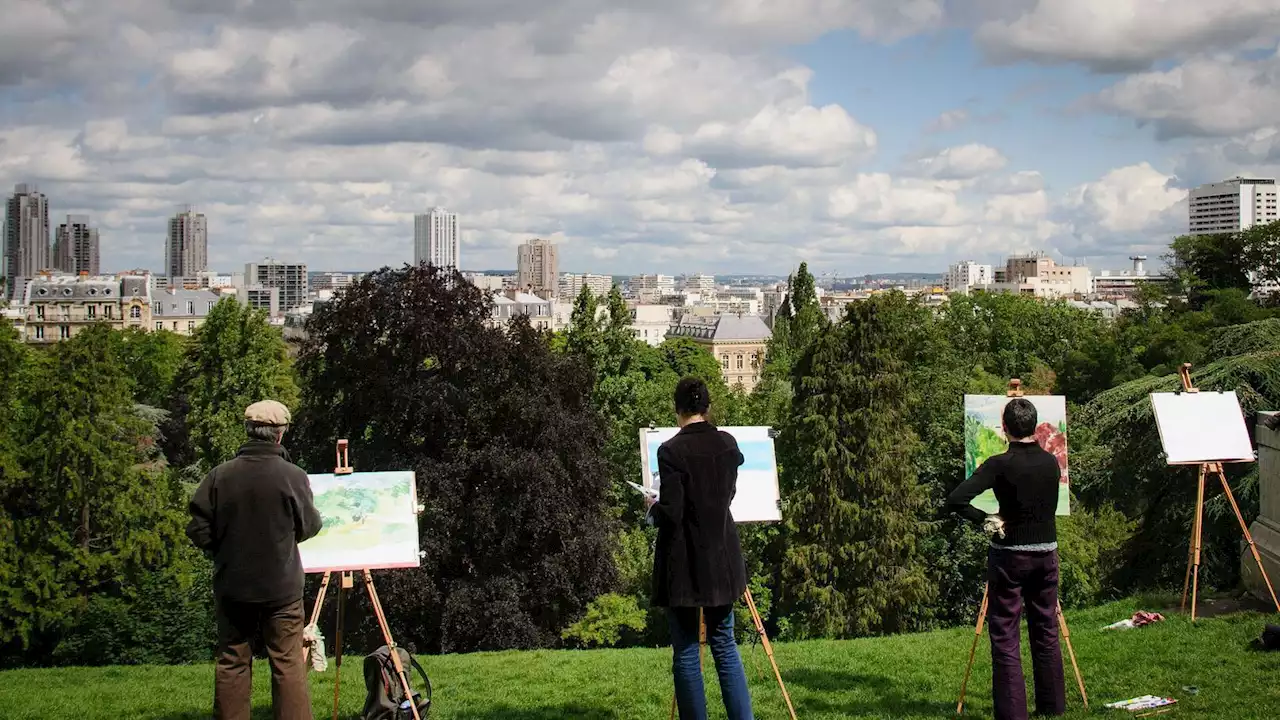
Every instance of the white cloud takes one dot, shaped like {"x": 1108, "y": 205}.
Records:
{"x": 1112, "y": 35}
{"x": 1134, "y": 207}
{"x": 964, "y": 162}
{"x": 948, "y": 120}
{"x": 1219, "y": 95}
{"x": 670, "y": 135}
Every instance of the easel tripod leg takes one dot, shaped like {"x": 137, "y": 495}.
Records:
{"x": 1071, "y": 651}
{"x": 1248, "y": 536}
{"x": 768, "y": 651}
{"x": 315, "y": 612}
{"x": 386, "y": 636}
{"x": 977, "y": 634}
{"x": 1197, "y": 533}
{"x": 337, "y": 650}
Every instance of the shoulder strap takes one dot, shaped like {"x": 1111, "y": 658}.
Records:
{"x": 426, "y": 682}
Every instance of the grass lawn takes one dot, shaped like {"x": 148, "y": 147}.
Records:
{"x": 909, "y": 676}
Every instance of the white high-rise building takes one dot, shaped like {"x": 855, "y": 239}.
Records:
{"x": 572, "y": 283}
{"x": 704, "y": 285}
{"x": 538, "y": 268}
{"x": 1232, "y": 205}
{"x": 963, "y": 275}
{"x": 290, "y": 278}
{"x": 436, "y": 239}
{"x": 186, "y": 250}
{"x": 26, "y": 238}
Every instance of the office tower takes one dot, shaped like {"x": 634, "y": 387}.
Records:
{"x": 436, "y": 239}
{"x": 1232, "y": 205}
{"x": 289, "y": 279}
{"x": 26, "y": 237}
{"x": 571, "y": 284}
{"x": 186, "y": 251}
{"x": 963, "y": 275}
{"x": 537, "y": 268}
{"x": 75, "y": 247}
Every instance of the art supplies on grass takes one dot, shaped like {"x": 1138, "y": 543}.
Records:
{"x": 1139, "y": 619}
{"x": 1146, "y": 702}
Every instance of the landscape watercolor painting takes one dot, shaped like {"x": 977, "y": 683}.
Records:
{"x": 757, "y": 498}
{"x": 983, "y": 437}
{"x": 370, "y": 522}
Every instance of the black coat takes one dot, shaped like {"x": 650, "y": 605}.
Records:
{"x": 698, "y": 559}
{"x": 249, "y": 515}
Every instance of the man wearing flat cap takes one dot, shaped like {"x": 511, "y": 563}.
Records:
{"x": 249, "y": 515}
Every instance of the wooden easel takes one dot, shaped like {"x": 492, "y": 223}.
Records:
{"x": 764, "y": 641}
{"x": 1197, "y": 526}
{"x": 342, "y": 467}
{"x": 1015, "y": 391}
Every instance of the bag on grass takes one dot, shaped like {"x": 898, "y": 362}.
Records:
{"x": 385, "y": 698}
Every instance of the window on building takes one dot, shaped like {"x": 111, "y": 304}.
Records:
{"x": 724, "y": 362}
{"x": 175, "y": 326}
{"x": 39, "y": 332}
{"x": 739, "y": 362}
{"x": 191, "y": 307}
{"x": 64, "y": 332}
{"x": 39, "y": 312}
{"x": 191, "y": 327}
{"x": 210, "y": 304}
{"x": 755, "y": 360}
{"x": 135, "y": 312}
{"x": 158, "y": 308}
{"x": 91, "y": 311}
{"x": 159, "y": 325}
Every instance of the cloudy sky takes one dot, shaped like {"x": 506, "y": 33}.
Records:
{"x": 643, "y": 135}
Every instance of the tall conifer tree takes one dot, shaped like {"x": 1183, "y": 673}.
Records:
{"x": 852, "y": 566}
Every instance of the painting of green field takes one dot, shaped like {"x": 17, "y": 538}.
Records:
{"x": 984, "y": 437}
{"x": 370, "y": 522}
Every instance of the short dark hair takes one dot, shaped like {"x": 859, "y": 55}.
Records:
{"x": 264, "y": 433}
{"x": 1020, "y": 418}
{"x": 692, "y": 397}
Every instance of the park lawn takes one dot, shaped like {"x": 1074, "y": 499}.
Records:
{"x": 906, "y": 676}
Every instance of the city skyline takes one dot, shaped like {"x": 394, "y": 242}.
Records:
{"x": 644, "y": 138}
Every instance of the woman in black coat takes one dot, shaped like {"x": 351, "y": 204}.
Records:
{"x": 697, "y": 564}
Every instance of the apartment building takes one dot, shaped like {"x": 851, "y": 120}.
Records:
{"x": 57, "y": 307}
{"x": 738, "y": 342}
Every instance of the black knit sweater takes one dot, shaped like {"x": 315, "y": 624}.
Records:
{"x": 1025, "y": 480}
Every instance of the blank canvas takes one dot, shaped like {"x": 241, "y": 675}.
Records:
{"x": 1202, "y": 427}
{"x": 370, "y": 522}
{"x": 757, "y": 499}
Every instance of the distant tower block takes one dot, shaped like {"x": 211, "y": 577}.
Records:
{"x": 1138, "y": 268}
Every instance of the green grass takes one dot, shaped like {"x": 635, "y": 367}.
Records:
{"x": 908, "y": 676}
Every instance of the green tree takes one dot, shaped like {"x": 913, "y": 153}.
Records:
{"x": 235, "y": 359}
{"x": 852, "y": 564}
{"x": 88, "y": 515}
{"x": 584, "y": 338}
{"x": 1198, "y": 263}
{"x": 506, "y": 448}
{"x": 1262, "y": 251}
{"x": 152, "y": 359}
{"x": 807, "y": 321}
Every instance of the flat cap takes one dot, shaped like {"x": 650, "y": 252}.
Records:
{"x": 267, "y": 412}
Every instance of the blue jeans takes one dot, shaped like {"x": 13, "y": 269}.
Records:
{"x": 686, "y": 666}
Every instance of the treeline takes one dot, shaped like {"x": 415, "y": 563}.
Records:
{"x": 521, "y": 441}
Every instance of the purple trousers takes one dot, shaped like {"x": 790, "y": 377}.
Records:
{"x": 1024, "y": 582}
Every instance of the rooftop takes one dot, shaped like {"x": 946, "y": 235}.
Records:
{"x": 723, "y": 328}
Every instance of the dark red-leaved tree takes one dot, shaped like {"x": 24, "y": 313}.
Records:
{"x": 505, "y": 444}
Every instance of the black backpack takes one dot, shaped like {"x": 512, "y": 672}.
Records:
{"x": 385, "y": 699}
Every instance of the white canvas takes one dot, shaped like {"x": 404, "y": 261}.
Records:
{"x": 757, "y": 499}
{"x": 1202, "y": 427}
{"x": 370, "y": 522}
